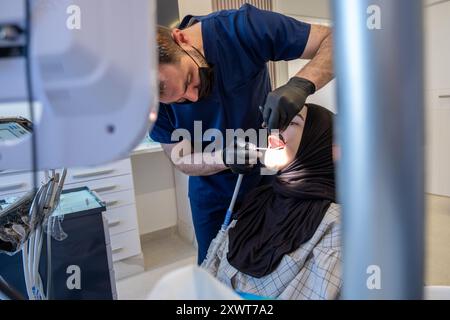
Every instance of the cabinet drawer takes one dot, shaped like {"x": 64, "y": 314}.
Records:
{"x": 125, "y": 245}
{"x": 443, "y": 98}
{"x": 15, "y": 183}
{"x": 118, "y": 199}
{"x": 86, "y": 174}
{"x": 9, "y": 172}
{"x": 122, "y": 219}
{"x": 107, "y": 185}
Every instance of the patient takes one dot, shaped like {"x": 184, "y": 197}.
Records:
{"x": 284, "y": 242}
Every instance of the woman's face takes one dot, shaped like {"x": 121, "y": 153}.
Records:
{"x": 280, "y": 154}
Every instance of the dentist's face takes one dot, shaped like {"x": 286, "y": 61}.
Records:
{"x": 281, "y": 154}
{"x": 179, "y": 82}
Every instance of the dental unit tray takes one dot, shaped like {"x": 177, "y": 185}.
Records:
{"x": 79, "y": 200}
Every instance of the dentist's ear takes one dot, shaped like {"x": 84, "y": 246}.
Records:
{"x": 180, "y": 37}
{"x": 336, "y": 152}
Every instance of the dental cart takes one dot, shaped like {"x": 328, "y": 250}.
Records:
{"x": 80, "y": 258}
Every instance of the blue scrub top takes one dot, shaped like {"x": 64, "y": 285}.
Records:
{"x": 238, "y": 44}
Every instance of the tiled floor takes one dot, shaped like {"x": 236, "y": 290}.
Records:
{"x": 166, "y": 250}
{"x": 171, "y": 252}
{"x": 162, "y": 255}
{"x": 437, "y": 241}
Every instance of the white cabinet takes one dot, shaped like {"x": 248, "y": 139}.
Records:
{"x": 122, "y": 219}
{"x": 438, "y": 148}
{"x": 437, "y": 26}
{"x": 123, "y": 246}
{"x": 184, "y": 223}
{"x": 437, "y": 39}
{"x": 122, "y": 167}
{"x": 13, "y": 184}
{"x": 108, "y": 185}
{"x": 155, "y": 192}
{"x": 114, "y": 185}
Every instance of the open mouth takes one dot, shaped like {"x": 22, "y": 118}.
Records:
{"x": 276, "y": 142}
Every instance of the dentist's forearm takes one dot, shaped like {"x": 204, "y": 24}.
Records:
{"x": 193, "y": 164}
{"x": 320, "y": 69}
{"x": 196, "y": 165}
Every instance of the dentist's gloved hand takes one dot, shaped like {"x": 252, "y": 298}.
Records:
{"x": 284, "y": 103}
{"x": 240, "y": 156}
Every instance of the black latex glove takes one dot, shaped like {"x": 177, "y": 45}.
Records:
{"x": 284, "y": 103}
{"x": 240, "y": 156}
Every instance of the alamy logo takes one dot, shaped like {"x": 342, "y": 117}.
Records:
{"x": 215, "y": 142}
{"x": 74, "y": 280}
{"x": 374, "y": 280}
{"x": 374, "y": 18}
{"x": 73, "y": 21}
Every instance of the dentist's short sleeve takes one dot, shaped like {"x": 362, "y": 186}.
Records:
{"x": 271, "y": 36}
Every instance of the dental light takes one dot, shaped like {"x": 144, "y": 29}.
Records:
{"x": 87, "y": 72}
{"x": 93, "y": 78}
{"x": 275, "y": 158}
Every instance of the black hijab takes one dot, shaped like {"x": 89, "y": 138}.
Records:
{"x": 276, "y": 219}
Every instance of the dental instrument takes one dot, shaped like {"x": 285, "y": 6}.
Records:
{"x": 277, "y": 148}
{"x": 232, "y": 203}
{"x": 221, "y": 235}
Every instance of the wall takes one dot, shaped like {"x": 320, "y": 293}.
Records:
{"x": 155, "y": 192}
{"x": 309, "y": 8}
{"x": 167, "y": 13}
{"x": 437, "y": 52}
{"x": 437, "y": 111}
{"x": 304, "y": 8}
{"x": 194, "y": 7}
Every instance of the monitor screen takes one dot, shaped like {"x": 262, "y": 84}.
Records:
{"x": 12, "y": 131}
